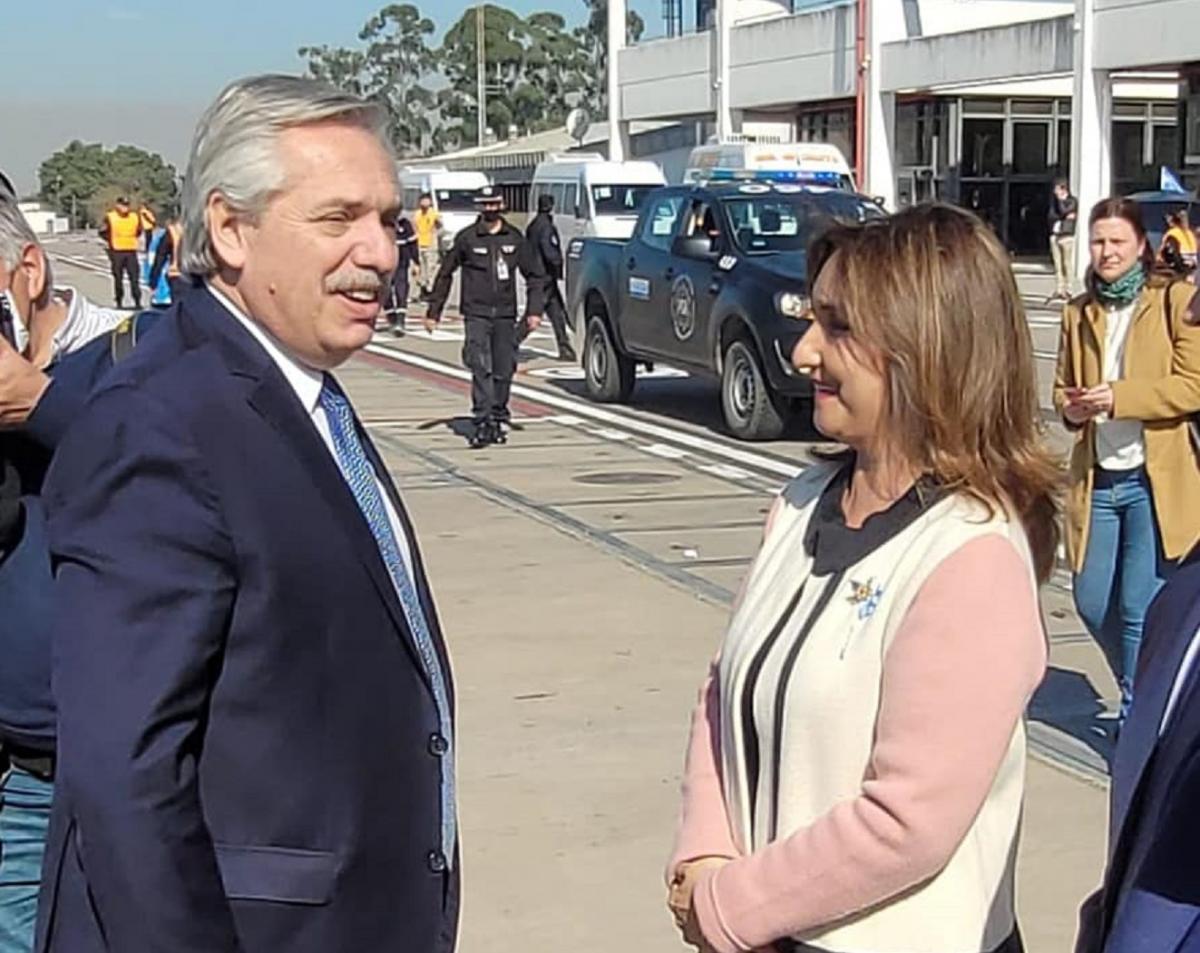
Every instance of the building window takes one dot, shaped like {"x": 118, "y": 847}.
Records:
{"x": 1063, "y": 164}
{"x": 1165, "y": 146}
{"x": 982, "y": 148}
{"x": 832, "y": 126}
{"x": 1031, "y": 148}
{"x": 1191, "y": 119}
{"x": 1128, "y": 148}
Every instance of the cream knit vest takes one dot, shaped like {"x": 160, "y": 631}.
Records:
{"x": 815, "y": 708}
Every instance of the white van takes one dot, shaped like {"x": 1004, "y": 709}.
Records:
{"x": 453, "y": 195}
{"x": 594, "y": 198}
{"x": 808, "y": 163}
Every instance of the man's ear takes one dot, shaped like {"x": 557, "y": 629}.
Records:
{"x": 32, "y": 264}
{"x": 228, "y": 230}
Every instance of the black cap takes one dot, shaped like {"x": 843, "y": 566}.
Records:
{"x": 488, "y": 196}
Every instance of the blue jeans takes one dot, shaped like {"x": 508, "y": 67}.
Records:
{"x": 1123, "y": 570}
{"x": 24, "y": 820}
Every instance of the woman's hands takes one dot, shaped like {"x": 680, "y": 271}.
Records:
{"x": 1087, "y": 403}
{"x": 679, "y": 900}
{"x": 679, "y": 894}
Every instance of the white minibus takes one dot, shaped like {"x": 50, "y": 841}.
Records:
{"x": 594, "y": 198}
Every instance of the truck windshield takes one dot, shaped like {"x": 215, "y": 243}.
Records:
{"x": 620, "y": 199}
{"x": 768, "y": 224}
{"x": 456, "y": 200}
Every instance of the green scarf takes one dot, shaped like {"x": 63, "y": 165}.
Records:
{"x": 1124, "y": 290}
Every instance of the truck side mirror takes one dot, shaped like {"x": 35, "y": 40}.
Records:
{"x": 695, "y": 246}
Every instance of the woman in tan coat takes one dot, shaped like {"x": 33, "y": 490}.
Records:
{"x": 1128, "y": 379}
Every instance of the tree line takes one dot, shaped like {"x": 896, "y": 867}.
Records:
{"x": 538, "y": 69}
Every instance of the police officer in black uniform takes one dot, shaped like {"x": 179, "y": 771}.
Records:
{"x": 545, "y": 241}
{"x": 396, "y": 309}
{"x": 490, "y": 253}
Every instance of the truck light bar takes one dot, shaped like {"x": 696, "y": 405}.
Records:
{"x": 774, "y": 175}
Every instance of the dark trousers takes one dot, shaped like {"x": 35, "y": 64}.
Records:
{"x": 490, "y": 354}
{"x": 125, "y": 263}
{"x": 556, "y": 311}
{"x": 397, "y": 302}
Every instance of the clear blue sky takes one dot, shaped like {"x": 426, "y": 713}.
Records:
{"x": 140, "y": 71}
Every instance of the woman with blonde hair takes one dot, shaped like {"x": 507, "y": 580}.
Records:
{"x": 855, "y": 771}
{"x": 1128, "y": 379}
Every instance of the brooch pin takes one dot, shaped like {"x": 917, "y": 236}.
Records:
{"x": 866, "y": 596}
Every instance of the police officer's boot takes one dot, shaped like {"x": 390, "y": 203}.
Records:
{"x": 483, "y": 435}
{"x": 499, "y": 431}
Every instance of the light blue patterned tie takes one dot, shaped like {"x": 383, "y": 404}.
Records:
{"x": 356, "y": 468}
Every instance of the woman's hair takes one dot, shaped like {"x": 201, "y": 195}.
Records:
{"x": 932, "y": 291}
{"x": 1179, "y": 219}
{"x": 1130, "y": 212}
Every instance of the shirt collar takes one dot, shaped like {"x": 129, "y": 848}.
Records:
{"x": 835, "y": 546}
{"x": 305, "y": 381}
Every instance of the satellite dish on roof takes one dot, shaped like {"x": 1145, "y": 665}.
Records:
{"x": 578, "y": 123}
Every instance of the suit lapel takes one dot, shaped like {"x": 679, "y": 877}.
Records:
{"x": 1143, "y": 759}
{"x": 1171, "y": 623}
{"x": 273, "y": 398}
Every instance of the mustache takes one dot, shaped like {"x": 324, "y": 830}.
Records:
{"x": 359, "y": 280}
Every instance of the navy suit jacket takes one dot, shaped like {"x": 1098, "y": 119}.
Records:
{"x": 26, "y": 585}
{"x": 247, "y": 756}
{"x": 1150, "y": 901}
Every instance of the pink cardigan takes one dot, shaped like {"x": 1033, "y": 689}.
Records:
{"x": 956, "y": 679}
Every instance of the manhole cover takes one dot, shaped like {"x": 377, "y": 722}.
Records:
{"x": 626, "y": 478}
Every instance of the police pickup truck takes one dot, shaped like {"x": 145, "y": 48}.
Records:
{"x": 713, "y": 282}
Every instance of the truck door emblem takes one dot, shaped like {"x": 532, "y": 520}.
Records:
{"x": 639, "y": 288}
{"x": 727, "y": 263}
{"x": 683, "y": 307}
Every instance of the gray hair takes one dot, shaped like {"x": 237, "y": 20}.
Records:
{"x": 234, "y": 150}
{"x": 15, "y": 235}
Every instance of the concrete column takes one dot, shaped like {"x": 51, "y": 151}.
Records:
{"x": 885, "y": 23}
{"x": 1091, "y": 125}
{"x": 722, "y": 39}
{"x": 618, "y": 131}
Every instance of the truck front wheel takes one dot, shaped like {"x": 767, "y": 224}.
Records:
{"x": 752, "y": 410}
{"x": 608, "y": 373}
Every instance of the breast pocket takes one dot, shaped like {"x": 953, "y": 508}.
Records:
{"x": 477, "y": 260}
{"x": 280, "y": 874}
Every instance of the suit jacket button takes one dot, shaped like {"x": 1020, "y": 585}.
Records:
{"x": 436, "y": 861}
{"x": 438, "y": 745}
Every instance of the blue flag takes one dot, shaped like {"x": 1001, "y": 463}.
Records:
{"x": 1168, "y": 181}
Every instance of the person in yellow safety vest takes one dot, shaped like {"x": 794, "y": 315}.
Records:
{"x": 149, "y": 223}
{"x": 121, "y": 229}
{"x": 1177, "y": 254}
{"x": 170, "y": 256}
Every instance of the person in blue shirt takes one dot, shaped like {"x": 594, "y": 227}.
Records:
{"x": 37, "y": 406}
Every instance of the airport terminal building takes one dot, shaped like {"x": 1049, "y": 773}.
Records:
{"x": 979, "y": 102}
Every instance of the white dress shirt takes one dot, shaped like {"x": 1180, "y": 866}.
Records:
{"x": 307, "y": 383}
{"x": 1120, "y": 444}
{"x": 84, "y": 322}
{"x": 1180, "y": 680}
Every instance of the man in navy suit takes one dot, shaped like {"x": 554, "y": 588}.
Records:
{"x": 255, "y": 741}
{"x": 1150, "y": 900}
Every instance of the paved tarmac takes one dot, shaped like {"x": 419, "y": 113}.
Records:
{"x": 584, "y": 573}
